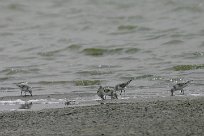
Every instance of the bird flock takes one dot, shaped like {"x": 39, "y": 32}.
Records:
{"x": 102, "y": 92}
{"x": 105, "y": 91}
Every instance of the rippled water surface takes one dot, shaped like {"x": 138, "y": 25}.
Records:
{"x": 66, "y": 46}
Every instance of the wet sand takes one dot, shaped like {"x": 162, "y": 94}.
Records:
{"x": 178, "y": 116}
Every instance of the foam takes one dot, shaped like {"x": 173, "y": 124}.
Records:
{"x": 36, "y": 101}
{"x": 18, "y": 101}
{"x": 196, "y": 94}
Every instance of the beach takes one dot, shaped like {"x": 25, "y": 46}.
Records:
{"x": 178, "y": 116}
{"x": 65, "y": 50}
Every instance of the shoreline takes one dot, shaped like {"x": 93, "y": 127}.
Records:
{"x": 57, "y": 96}
{"x": 40, "y": 102}
{"x": 159, "y": 116}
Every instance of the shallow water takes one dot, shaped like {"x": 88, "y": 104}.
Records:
{"x": 71, "y": 46}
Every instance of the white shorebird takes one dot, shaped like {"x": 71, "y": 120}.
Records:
{"x": 69, "y": 102}
{"x": 121, "y": 87}
{"x": 24, "y": 88}
{"x": 179, "y": 86}
{"x": 107, "y": 91}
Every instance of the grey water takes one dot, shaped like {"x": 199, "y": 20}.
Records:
{"x": 73, "y": 46}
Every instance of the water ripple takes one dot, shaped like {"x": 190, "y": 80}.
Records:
{"x": 173, "y": 42}
{"x": 101, "y": 51}
{"x": 16, "y": 70}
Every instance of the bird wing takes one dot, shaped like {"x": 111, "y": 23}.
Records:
{"x": 180, "y": 84}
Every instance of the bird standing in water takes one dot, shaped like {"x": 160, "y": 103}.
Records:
{"x": 121, "y": 87}
{"x": 107, "y": 91}
{"x": 24, "y": 88}
{"x": 179, "y": 86}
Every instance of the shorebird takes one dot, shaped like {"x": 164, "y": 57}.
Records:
{"x": 69, "y": 102}
{"x": 179, "y": 86}
{"x": 24, "y": 88}
{"x": 107, "y": 91}
{"x": 121, "y": 87}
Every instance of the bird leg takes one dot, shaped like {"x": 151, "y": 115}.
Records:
{"x": 182, "y": 91}
{"x": 172, "y": 92}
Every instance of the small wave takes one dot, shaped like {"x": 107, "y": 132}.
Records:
{"x": 13, "y": 71}
{"x": 4, "y": 78}
{"x": 86, "y": 82}
{"x": 132, "y": 50}
{"x": 144, "y": 76}
{"x": 150, "y": 77}
{"x": 127, "y": 27}
{"x": 154, "y": 37}
{"x": 16, "y": 70}
{"x": 173, "y": 42}
{"x": 30, "y": 49}
{"x": 101, "y": 52}
{"x": 94, "y": 72}
{"x": 104, "y": 66}
{"x": 94, "y": 51}
{"x": 48, "y": 53}
{"x": 57, "y": 51}
{"x": 52, "y": 82}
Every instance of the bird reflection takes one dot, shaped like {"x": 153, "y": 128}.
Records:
{"x": 26, "y": 105}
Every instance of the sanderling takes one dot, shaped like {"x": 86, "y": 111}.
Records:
{"x": 24, "y": 88}
{"x": 69, "y": 102}
{"x": 107, "y": 91}
{"x": 179, "y": 86}
{"x": 121, "y": 87}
